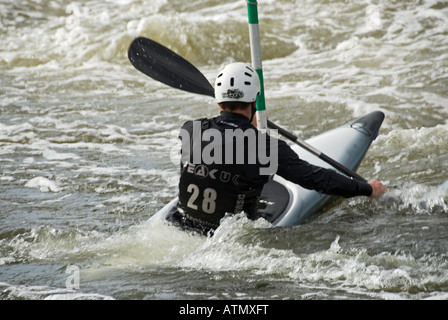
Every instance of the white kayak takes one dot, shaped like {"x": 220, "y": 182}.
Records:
{"x": 284, "y": 203}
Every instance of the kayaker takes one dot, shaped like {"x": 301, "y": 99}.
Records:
{"x": 226, "y": 161}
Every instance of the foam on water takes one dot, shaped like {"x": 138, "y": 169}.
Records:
{"x": 234, "y": 248}
{"x": 418, "y": 153}
{"x": 45, "y": 293}
{"x": 231, "y": 250}
{"x": 144, "y": 244}
{"x": 44, "y": 184}
{"x": 88, "y": 144}
{"x": 360, "y": 70}
{"x": 418, "y": 199}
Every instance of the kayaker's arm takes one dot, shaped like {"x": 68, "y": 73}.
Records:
{"x": 323, "y": 180}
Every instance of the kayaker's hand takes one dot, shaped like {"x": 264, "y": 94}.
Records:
{"x": 378, "y": 189}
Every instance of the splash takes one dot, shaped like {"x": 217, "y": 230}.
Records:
{"x": 237, "y": 249}
{"x": 418, "y": 199}
{"x": 22, "y": 292}
{"x": 147, "y": 244}
{"x": 43, "y": 184}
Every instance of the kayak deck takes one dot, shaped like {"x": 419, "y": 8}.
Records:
{"x": 284, "y": 203}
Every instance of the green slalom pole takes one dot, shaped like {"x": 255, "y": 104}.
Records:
{"x": 255, "y": 48}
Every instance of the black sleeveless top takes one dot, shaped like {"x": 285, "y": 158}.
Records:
{"x": 220, "y": 168}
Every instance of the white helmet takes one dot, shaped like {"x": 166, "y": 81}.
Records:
{"x": 237, "y": 82}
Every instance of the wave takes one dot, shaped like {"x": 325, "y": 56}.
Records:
{"x": 24, "y": 292}
{"x": 415, "y": 199}
{"x": 254, "y": 248}
{"x": 242, "y": 246}
{"x": 84, "y": 130}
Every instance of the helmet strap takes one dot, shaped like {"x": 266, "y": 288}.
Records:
{"x": 254, "y": 110}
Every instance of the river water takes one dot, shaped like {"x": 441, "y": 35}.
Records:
{"x": 88, "y": 150}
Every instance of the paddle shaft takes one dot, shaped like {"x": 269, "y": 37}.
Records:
{"x": 164, "y": 65}
{"x": 316, "y": 152}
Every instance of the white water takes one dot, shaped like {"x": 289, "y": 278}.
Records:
{"x": 87, "y": 150}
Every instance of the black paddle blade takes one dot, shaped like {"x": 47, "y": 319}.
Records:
{"x": 166, "y": 66}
